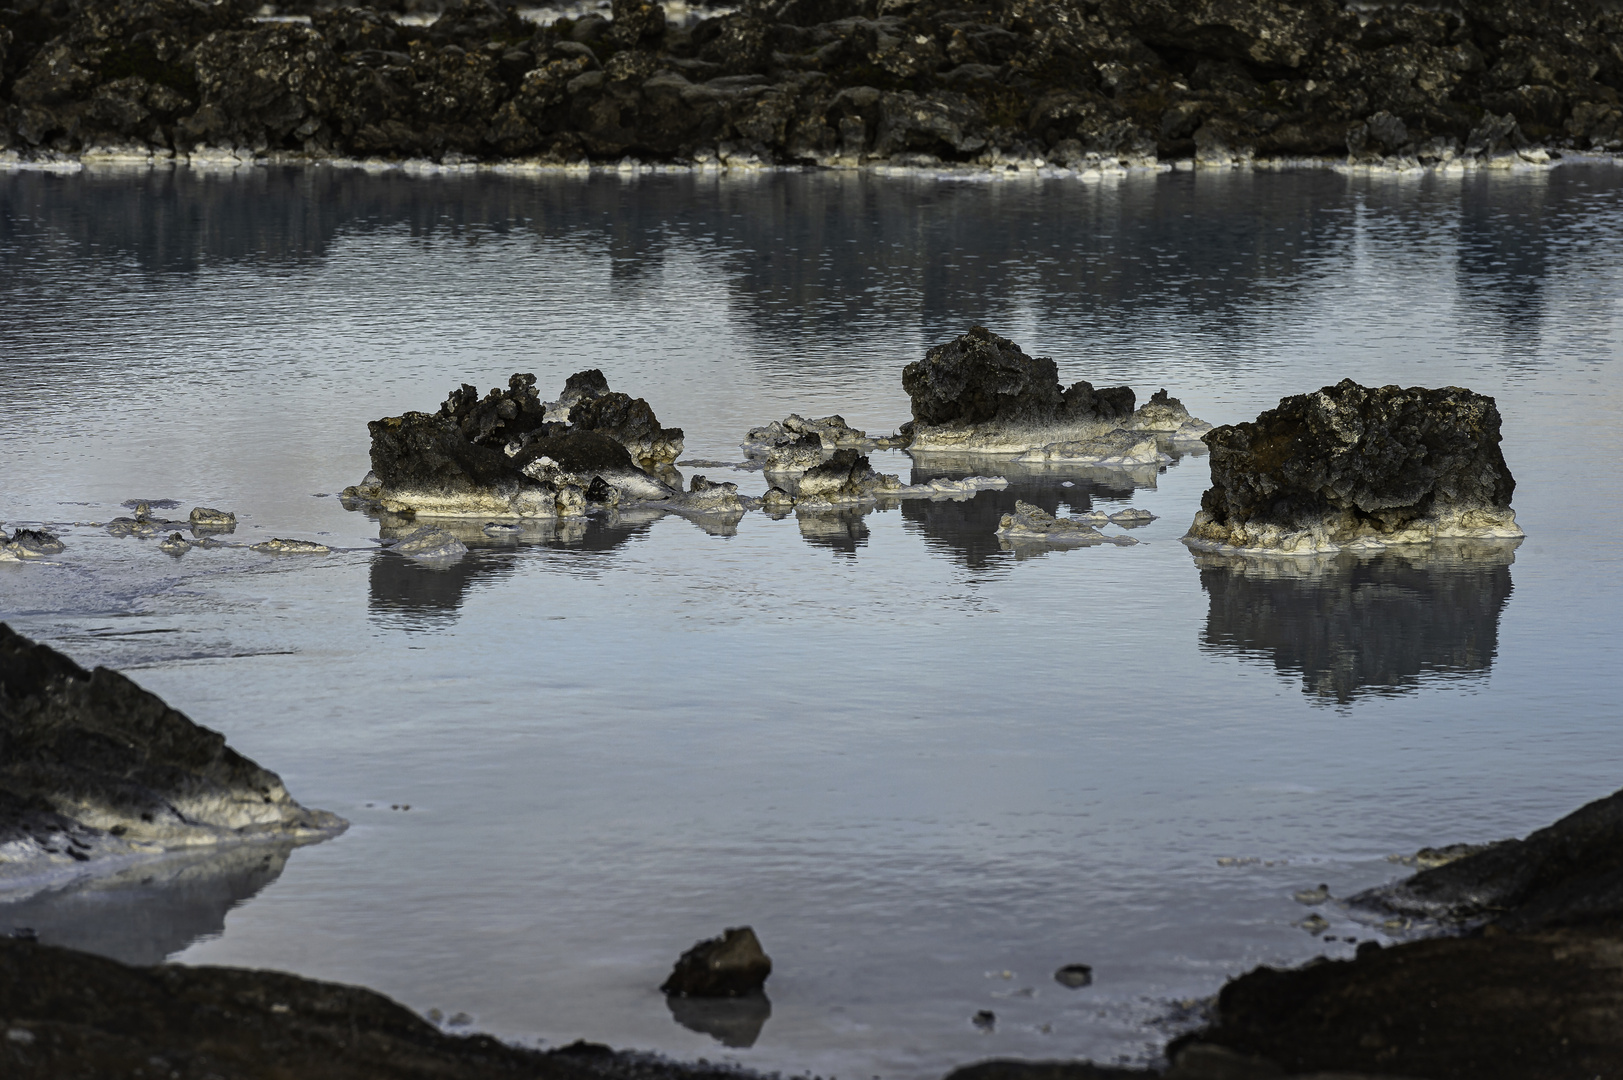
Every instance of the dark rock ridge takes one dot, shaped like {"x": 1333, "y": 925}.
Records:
{"x": 1568, "y": 874}
{"x": 93, "y": 767}
{"x": 1078, "y": 83}
{"x": 502, "y": 456}
{"x": 1360, "y": 467}
{"x": 732, "y": 965}
{"x": 69, "y": 1014}
{"x": 980, "y": 393}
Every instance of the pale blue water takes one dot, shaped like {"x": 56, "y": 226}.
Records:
{"x": 913, "y": 761}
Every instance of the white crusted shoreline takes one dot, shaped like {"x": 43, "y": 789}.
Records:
{"x": 727, "y": 163}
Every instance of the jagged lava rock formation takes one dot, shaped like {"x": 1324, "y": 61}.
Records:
{"x": 1077, "y": 83}
{"x": 501, "y": 455}
{"x": 1351, "y": 466}
{"x": 92, "y": 766}
{"x": 979, "y": 393}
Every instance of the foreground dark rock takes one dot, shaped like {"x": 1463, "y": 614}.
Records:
{"x": 93, "y": 767}
{"x": 1077, "y": 83}
{"x": 72, "y": 1015}
{"x": 1351, "y": 466}
{"x": 980, "y": 393}
{"x": 510, "y": 455}
{"x": 732, "y": 965}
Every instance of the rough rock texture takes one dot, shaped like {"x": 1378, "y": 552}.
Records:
{"x": 92, "y": 765}
{"x": 1568, "y": 874}
{"x": 846, "y": 476}
{"x": 830, "y": 433}
{"x": 980, "y": 394}
{"x": 72, "y": 1015}
{"x": 1354, "y": 466}
{"x": 1033, "y": 523}
{"x": 502, "y": 455}
{"x": 732, "y": 965}
{"x": 1075, "y": 83}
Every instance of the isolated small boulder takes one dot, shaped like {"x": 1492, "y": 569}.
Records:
{"x": 732, "y": 965}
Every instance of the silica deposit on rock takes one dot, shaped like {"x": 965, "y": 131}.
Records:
{"x": 1351, "y": 466}
{"x": 92, "y": 767}
{"x": 981, "y": 394}
{"x": 1084, "y": 84}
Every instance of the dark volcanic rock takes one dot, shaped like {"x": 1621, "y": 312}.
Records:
{"x": 499, "y": 455}
{"x": 1078, "y": 83}
{"x": 1568, "y": 874}
{"x": 630, "y": 422}
{"x": 1352, "y": 466}
{"x": 92, "y": 765}
{"x": 979, "y": 391}
{"x": 1543, "y": 1006}
{"x": 730, "y": 966}
{"x": 70, "y": 1014}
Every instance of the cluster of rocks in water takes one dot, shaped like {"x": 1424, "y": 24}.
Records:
{"x": 1072, "y": 83}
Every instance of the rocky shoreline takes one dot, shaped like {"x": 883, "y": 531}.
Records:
{"x": 1078, "y": 86}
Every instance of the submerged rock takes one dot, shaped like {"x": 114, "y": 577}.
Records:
{"x": 1074, "y": 976}
{"x": 92, "y": 766}
{"x": 1357, "y": 467}
{"x": 1030, "y": 522}
{"x": 430, "y": 544}
{"x": 732, "y": 965}
{"x": 281, "y": 546}
{"x": 979, "y": 393}
{"x": 212, "y": 520}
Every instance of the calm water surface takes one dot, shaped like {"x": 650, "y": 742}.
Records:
{"x": 927, "y": 770}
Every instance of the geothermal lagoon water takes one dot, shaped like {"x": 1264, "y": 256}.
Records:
{"x": 929, "y": 771}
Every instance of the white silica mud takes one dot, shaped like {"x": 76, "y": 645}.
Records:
{"x": 930, "y": 765}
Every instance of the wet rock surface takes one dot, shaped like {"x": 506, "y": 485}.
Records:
{"x": 1351, "y": 466}
{"x": 70, "y": 1014}
{"x": 510, "y": 455}
{"x": 730, "y": 966}
{"x": 92, "y": 766}
{"x": 1071, "y": 83}
{"x": 981, "y": 394}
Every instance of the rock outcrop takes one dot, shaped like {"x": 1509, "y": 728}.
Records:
{"x": 1358, "y": 467}
{"x": 1031, "y": 523}
{"x": 846, "y": 476}
{"x": 93, "y": 767}
{"x": 1077, "y": 84}
{"x": 71, "y": 1014}
{"x": 29, "y": 544}
{"x": 505, "y": 456}
{"x": 732, "y": 965}
{"x": 980, "y": 393}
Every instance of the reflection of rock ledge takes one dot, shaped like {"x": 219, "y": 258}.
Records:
{"x": 1350, "y": 624}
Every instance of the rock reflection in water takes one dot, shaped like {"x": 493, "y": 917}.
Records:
{"x": 730, "y": 1021}
{"x": 967, "y": 530}
{"x": 152, "y": 910}
{"x": 843, "y": 530}
{"x": 1354, "y": 625}
{"x": 423, "y": 595}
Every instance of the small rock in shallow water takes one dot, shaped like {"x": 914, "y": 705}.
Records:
{"x": 430, "y": 544}
{"x": 1314, "y": 924}
{"x": 175, "y": 544}
{"x": 728, "y": 966}
{"x": 1311, "y": 897}
{"x": 1130, "y": 518}
{"x": 206, "y": 517}
{"x": 1074, "y": 976}
{"x": 986, "y": 1019}
{"x": 280, "y": 546}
